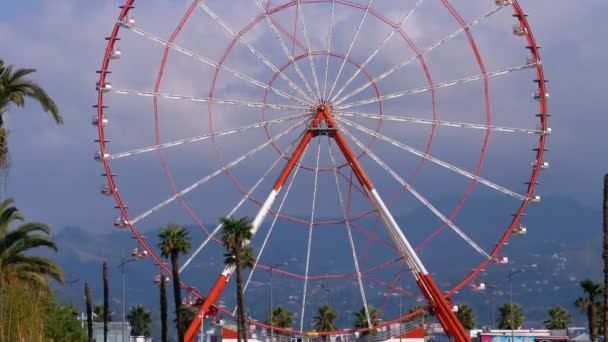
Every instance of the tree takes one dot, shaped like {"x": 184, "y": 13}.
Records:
{"x": 14, "y": 89}
{"x": 236, "y": 235}
{"x": 593, "y": 292}
{"x": 604, "y": 321}
{"x": 99, "y": 314}
{"x": 466, "y": 316}
{"x": 140, "y": 320}
{"x": 187, "y": 316}
{"x": 61, "y": 323}
{"x": 559, "y": 318}
{"x": 106, "y": 300}
{"x": 324, "y": 321}
{"x": 361, "y": 319}
{"x": 87, "y": 293}
{"x": 174, "y": 240}
{"x": 17, "y": 244}
{"x": 281, "y": 318}
{"x": 508, "y": 310}
{"x": 163, "y": 307}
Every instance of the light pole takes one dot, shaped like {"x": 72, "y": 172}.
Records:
{"x": 510, "y": 277}
{"x": 271, "y": 269}
{"x": 122, "y": 264}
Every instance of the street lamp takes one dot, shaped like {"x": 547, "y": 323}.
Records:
{"x": 122, "y": 264}
{"x": 271, "y": 269}
{"x": 510, "y": 277}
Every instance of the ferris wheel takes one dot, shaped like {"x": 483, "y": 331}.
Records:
{"x": 354, "y": 133}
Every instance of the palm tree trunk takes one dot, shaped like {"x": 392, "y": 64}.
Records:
{"x": 241, "y": 299}
{"x": 592, "y": 324}
{"x": 605, "y": 308}
{"x": 87, "y": 293}
{"x": 177, "y": 294}
{"x": 106, "y": 301}
{"x": 163, "y": 308}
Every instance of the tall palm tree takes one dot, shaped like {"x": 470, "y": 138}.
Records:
{"x": 593, "y": 292}
{"x": 361, "y": 319}
{"x": 559, "y": 318}
{"x": 235, "y": 235}
{"x": 175, "y": 240}
{"x": 187, "y": 316}
{"x": 281, "y": 318}
{"x": 466, "y": 316}
{"x": 604, "y": 322}
{"x": 87, "y": 293}
{"x": 140, "y": 320}
{"x": 324, "y": 320}
{"x": 106, "y": 300}
{"x": 16, "y": 245}
{"x": 163, "y": 308}
{"x": 14, "y": 89}
{"x": 508, "y": 310}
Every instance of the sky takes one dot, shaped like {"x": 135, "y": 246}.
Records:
{"x": 53, "y": 175}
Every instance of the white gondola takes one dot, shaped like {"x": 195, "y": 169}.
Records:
{"x": 537, "y": 95}
{"x": 503, "y": 2}
{"x": 130, "y": 21}
{"x": 95, "y": 121}
{"x": 120, "y": 222}
{"x": 158, "y": 277}
{"x": 106, "y": 190}
{"x": 116, "y": 54}
{"x": 543, "y": 165}
{"x": 502, "y": 260}
{"x": 535, "y": 199}
{"x": 454, "y": 308}
{"x": 520, "y": 230}
{"x": 519, "y": 30}
{"x": 478, "y": 286}
{"x": 106, "y": 87}
{"x": 100, "y": 157}
{"x": 139, "y": 253}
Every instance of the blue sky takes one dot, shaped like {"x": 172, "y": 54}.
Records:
{"x": 53, "y": 175}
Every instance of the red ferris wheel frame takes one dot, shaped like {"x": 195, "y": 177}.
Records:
{"x": 543, "y": 115}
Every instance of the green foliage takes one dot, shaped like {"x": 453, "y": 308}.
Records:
{"x": 588, "y": 304}
{"x": 22, "y": 310}
{"x": 508, "y": 311}
{"x": 466, "y": 316}
{"x": 140, "y": 320}
{"x": 281, "y": 318}
{"x": 559, "y": 318}
{"x": 361, "y": 319}
{"x": 16, "y": 247}
{"x": 15, "y": 88}
{"x": 325, "y": 319}
{"x": 98, "y": 313}
{"x": 62, "y": 324}
{"x": 186, "y": 316}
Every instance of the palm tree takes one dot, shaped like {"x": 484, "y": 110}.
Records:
{"x": 235, "y": 235}
{"x": 281, "y": 318}
{"x": 14, "y": 89}
{"x": 106, "y": 300}
{"x": 174, "y": 240}
{"x": 361, "y": 319}
{"x": 87, "y": 293}
{"x": 99, "y": 314}
{"x": 163, "y": 308}
{"x": 140, "y": 320}
{"x": 508, "y": 310}
{"x": 593, "y": 292}
{"x": 466, "y": 316}
{"x": 187, "y": 316}
{"x": 324, "y": 321}
{"x": 16, "y": 244}
{"x": 604, "y": 322}
{"x": 559, "y": 318}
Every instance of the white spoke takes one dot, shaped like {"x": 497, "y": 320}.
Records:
{"x": 434, "y": 160}
{"x": 418, "y": 196}
{"x": 286, "y": 50}
{"x": 240, "y": 203}
{"x": 350, "y": 236}
{"x": 329, "y": 35}
{"x": 438, "y": 86}
{"x": 215, "y": 173}
{"x": 274, "y": 220}
{"x": 310, "y": 228}
{"x": 373, "y": 55}
{"x": 254, "y": 51}
{"x": 399, "y": 118}
{"x": 202, "y": 137}
{"x": 420, "y": 55}
{"x": 350, "y": 48}
{"x": 309, "y": 52}
{"x": 209, "y": 62}
{"x": 206, "y": 99}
